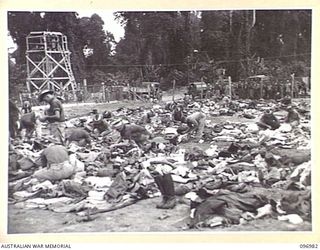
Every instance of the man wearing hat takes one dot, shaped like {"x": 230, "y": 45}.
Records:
{"x": 14, "y": 113}
{"x": 54, "y": 115}
{"x": 133, "y": 132}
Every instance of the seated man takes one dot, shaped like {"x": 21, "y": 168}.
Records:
{"x": 55, "y": 162}
{"x": 268, "y": 121}
{"x": 133, "y": 132}
{"x": 195, "y": 122}
{"x": 99, "y": 125}
{"x": 292, "y": 117}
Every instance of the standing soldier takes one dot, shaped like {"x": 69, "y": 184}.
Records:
{"x": 13, "y": 119}
{"x": 54, "y": 115}
{"x": 288, "y": 88}
{"x": 240, "y": 87}
{"x": 281, "y": 89}
{"x": 251, "y": 90}
{"x": 277, "y": 91}
{"x": 245, "y": 90}
{"x": 257, "y": 90}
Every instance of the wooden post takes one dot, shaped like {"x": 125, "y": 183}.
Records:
{"x": 134, "y": 93}
{"x": 292, "y": 85}
{"x": 188, "y": 80}
{"x": 307, "y": 85}
{"x": 128, "y": 92}
{"x": 21, "y": 99}
{"x": 149, "y": 92}
{"x": 230, "y": 91}
{"x": 103, "y": 92}
{"x": 108, "y": 94}
{"x": 174, "y": 89}
{"x": 28, "y": 87}
{"x": 85, "y": 89}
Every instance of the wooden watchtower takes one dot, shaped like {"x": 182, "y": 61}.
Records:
{"x": 48, "y": 62}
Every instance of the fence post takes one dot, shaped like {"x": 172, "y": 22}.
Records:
{"x": 74, "y": 92}
{"x": 103, "y": 92}
{"x": 292, "y": 85}
{"x": 107, "y": 91}
{"x": 230, "y": 91}
{"x": 21, "y": 99}
{"x": 61, "y": 90}
{"x": 308, "y": 85}
{"x": 174, "y": 89}
{"x": 121, "y": 93}
{"x": 134, "y": 94}
{"x": 28, "y": 87}
{"x": 85, "y": 90}
{"x": 128, "y": 92}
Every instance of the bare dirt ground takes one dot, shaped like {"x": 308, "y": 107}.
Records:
{"x": 140, "y": 217}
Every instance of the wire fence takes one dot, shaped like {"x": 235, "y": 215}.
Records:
{"x": 97, "y": 94}
{"x": 243, "y": 89}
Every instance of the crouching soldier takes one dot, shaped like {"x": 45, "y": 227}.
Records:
{"x": 131, "y": 132}
{"x": 196, "y": 123}
{"x": 268, "y": 121}
{"x": 78, "y": 135}
{"x": 55, "y": 162}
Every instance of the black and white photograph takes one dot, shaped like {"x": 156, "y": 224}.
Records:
{"x": 159, "y": 121}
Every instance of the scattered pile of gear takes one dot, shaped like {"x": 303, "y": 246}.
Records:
{"x": 235, "y": 172}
